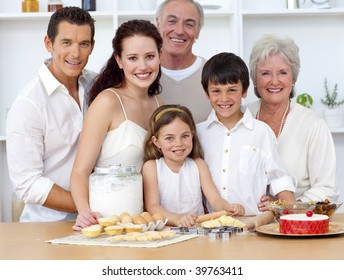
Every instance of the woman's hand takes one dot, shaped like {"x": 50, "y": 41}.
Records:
{"x": 86, "y": 219}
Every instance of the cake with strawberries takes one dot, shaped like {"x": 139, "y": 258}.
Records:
{"x": 304, "y": 224}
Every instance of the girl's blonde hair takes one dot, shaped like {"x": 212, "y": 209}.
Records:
{"x": 162, "y": 116}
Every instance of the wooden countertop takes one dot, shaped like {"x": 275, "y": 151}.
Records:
{"x": 27, "y": 241}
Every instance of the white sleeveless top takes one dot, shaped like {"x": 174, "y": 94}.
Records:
{"x": 124, "y": 144}
{"x": 180, "y": 192}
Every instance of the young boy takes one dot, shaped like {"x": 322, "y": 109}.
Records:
{"x": 240, "y": 151}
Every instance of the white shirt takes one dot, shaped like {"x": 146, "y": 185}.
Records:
{"x": 180, "y": 192}
{"x": 306, "y": 148}
{"x": 243, "y": 160}
{"x": 182, "y": 74}
{"x": 42, "y": 132}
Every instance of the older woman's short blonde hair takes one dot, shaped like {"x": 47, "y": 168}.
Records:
{"x": 272, "y": 44}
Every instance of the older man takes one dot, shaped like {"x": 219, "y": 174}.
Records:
{"x": 179, "y": 23}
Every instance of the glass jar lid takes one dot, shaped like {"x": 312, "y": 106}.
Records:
{"x": 116, "y": 169}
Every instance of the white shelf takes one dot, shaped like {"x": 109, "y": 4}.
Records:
{"x": 101, "y": 14}
{"x": 337, "y": 129}
{"x": 296, "y": 12}
{"x": 47, "y": 15}
{"x": 207, "y": 13}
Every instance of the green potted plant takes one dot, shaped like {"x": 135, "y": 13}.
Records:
{"x": 334, "y": 113}
{"x": 305, "y": 100}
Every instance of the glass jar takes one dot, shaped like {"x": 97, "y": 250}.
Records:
{"x": 89, "y": 5}
{"x": 116, "y": 189}
{"x": 54, "y": 5}
{"x": 30, "y": 6}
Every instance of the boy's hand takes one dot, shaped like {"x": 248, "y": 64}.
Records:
{"x": 261, "y": 205}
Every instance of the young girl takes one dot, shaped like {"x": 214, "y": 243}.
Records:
{"x": 174, "y": 173}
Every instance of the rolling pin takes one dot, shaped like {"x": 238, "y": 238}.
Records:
{"x": 259, "y": 220}
{"x": 211, "y": 216}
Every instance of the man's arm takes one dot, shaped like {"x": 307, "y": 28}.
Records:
{"x": 59, "y": 199}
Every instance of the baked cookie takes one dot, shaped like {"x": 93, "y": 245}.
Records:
{"x": 92, "y": 231}
{"x": 114, "y": 230}
{"x": 108, "y": 221}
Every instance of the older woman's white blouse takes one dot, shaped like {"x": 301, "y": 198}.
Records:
{"x": 306, "y": 148}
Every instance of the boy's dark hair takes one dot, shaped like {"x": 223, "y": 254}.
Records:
{"x": 224, "y": 68}
{"x": 73, "y": 15}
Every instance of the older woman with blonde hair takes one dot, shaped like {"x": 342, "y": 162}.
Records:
{"x": 304, "y": 141}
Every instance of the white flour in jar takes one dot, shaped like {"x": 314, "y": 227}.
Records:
{"x": 111, "y": 194}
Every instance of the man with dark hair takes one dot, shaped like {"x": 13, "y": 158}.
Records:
{"x": 45, "y": 120}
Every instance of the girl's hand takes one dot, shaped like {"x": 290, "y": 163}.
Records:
{"x": 187, "y": 221}
{"x": 236, "y": 209}
{"x": 86, "y": 219}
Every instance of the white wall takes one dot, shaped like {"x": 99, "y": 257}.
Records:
{"x": 5, "y": 187}
{"x": 22, "y": 46}
{"x": 2, "y": 187}
{"x": 338, "y": 139}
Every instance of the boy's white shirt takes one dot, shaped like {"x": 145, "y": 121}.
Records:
{"x": 244, "y": 160}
